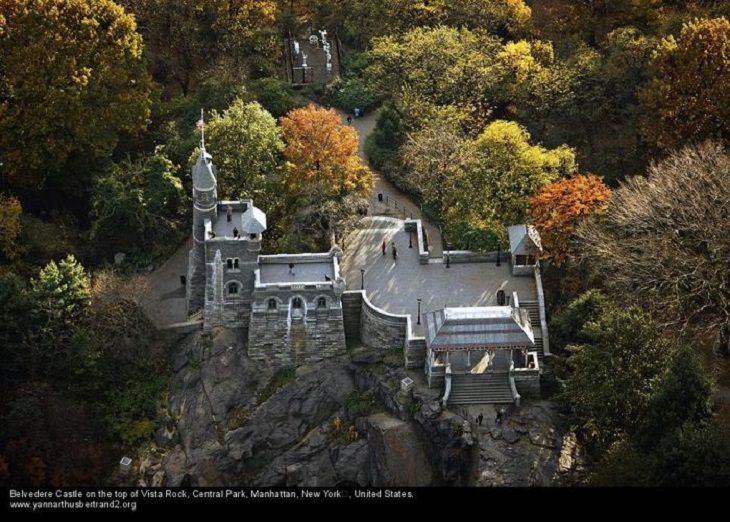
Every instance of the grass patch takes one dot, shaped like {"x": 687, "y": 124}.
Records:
{"x": 238, "y": 417}
{"x": 362, "y": 404}
{"x": 278, "y": 380}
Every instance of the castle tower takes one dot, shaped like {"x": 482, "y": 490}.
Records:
{"x": 205, "y": 202}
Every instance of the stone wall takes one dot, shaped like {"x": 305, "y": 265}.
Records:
{"x": 379, "y": 329}
{"x": 527, "y": 383}
{"x": 285, "y": 336}
{"x": 352, "y": 313}
{"x": 415, "y": 353}
{"x": 469, "y": 256}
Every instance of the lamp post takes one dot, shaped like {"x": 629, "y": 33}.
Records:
{"x": 498, "y": 252}
{"x": 410, "y": 239}
{"x": 419, "y": 311}
{"x": 362, "y": 279}
{"x": 448, "y": 256}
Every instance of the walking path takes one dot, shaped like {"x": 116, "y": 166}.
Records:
{"x": 395, "y": 202}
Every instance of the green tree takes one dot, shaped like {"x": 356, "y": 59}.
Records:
{"x": 615, "y": 373}
{"x": 72, "y": 83}
{"x": 137, "y": 206}
{"x": 61, "y": 297}
{"x": 686, "y": 99}
{"x": 507, "y": 171}
{"x": 246, "y": 145}
{"x": 566, "y": 325}
{"x": 684, "y": 395}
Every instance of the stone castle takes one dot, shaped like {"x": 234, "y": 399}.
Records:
{"x": 296, "y": 308}
{"x": 289, "y": 303}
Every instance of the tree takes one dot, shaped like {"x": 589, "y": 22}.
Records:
{"x": 10, "y": 226}
{"x": 614, "y": 375}
{"x": 61, "y": 298}
{"x": 560, "y": 206}
{"x": 322, "y": 155}
{"x": 15, "y": 307}
{"x": 686, "y": 99}
{"x": 507, "y": 171}
{"x": 246, "y": 146}
{"x": 566, "y": 326}
{"x": 72, "y": 83}
{"x": 137, "y": 206}
{"x": 185, "y": 37}
{"x": 437, "y": 157}
{"x": 683, "y": 396}
{"x": 666, "y": 237}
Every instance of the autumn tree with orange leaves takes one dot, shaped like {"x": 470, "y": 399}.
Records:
{"x": 322, "y": 156}
{"x": 560, "y": 206}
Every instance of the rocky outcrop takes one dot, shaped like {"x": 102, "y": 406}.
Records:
{"x": 398, "y": 457}
{"x": 527, "y": 448}
{"x": 232, "y": 421}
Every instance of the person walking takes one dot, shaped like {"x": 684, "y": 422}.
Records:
{"x": 395, "y": 252}
{"x": 480, "y": 418}
{"x": 291, "y": 268}
{"x": 349, "y": 119}
{"x": 383, "y": 246}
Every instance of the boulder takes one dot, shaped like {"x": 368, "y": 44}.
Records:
{"x": 398, "y": 457}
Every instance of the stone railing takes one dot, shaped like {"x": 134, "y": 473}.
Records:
{"x": 469, "y": 256}
{"x": 447, "y": 385}
{"x": 516, "y": 397}
{"x": 526, "y": 381}
{"x": 541, "y": 308}
{"x": 416, "y": 226}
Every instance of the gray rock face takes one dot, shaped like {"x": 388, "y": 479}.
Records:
{"x": 398, "y": 455}
{"x": 527, "y": 449}
{"x": 221, "y": 430}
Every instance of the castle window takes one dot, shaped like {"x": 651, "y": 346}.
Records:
{"x": 296, "y": 302}
{"x": 235, "y": 263}
{"x": 233, "y": 288}
{"x": 271, "y": 304}
{"x": 229, "y": 263}
{"x": 322, "y": 302}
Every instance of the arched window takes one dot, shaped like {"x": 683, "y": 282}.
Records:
{"x": 322, "y": 302}
{"x": 229, "y": 263}
{"x": 235, "y": 263}
{"x": 271, "y": 304}
{"x": 296, "y": 302}
{"x": 233, "y": 289}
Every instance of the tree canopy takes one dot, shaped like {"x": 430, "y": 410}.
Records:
{"x": 686, "y": 100}
{"x": 72, "y": 84}
{"x": 558, "y": 208}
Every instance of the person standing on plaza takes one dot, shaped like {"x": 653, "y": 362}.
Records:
{"x": 395, "y": 252}
{"x": 383, "y": 247}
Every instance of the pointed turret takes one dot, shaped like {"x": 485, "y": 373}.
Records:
{"x": 205, "y": 207}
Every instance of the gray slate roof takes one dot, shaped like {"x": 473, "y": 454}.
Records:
{"x": 253, "y": 221}
{"x": 478, "y": 328}
{"x": 524, "y": 239}
{"x": 204, "y": 172}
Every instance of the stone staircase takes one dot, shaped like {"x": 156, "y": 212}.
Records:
{"x": 482, "y": 388}
{"x": 534, "y": 309}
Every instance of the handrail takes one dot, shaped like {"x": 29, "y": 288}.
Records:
{"x": 447, "y": 387}
{"x": 541, "y": 311}
{"x": 515, "y": 395}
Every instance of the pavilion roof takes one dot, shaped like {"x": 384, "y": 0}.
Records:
{"x": 474, "y": 328}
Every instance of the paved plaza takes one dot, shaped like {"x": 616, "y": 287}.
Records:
{"x": 395, "y": 286}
